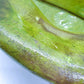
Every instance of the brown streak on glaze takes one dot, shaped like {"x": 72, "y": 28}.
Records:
{"x": 61, "y": 33}
{"x": 44, "y": 1}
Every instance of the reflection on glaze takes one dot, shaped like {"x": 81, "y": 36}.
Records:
{"x": 66, "y": 22}
{"x": 37, "y": 18}
{"x": 60, "y": 33}
{"x": 60, "y": 18}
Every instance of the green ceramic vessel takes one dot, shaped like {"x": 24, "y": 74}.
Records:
{"x": 46, "y": 39}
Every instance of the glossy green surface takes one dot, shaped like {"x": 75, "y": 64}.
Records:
{"x": 74, "y": 6}
{"x": 29, "y": 35}
{"x": 61, "y": 18}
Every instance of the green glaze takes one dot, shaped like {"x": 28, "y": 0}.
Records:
{"x": 60, "y": 18}
{"x": 74, "y": 6}
{"x": 26, "y": 33}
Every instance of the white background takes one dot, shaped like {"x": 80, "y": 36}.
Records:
{"x": 11, "y": 72}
